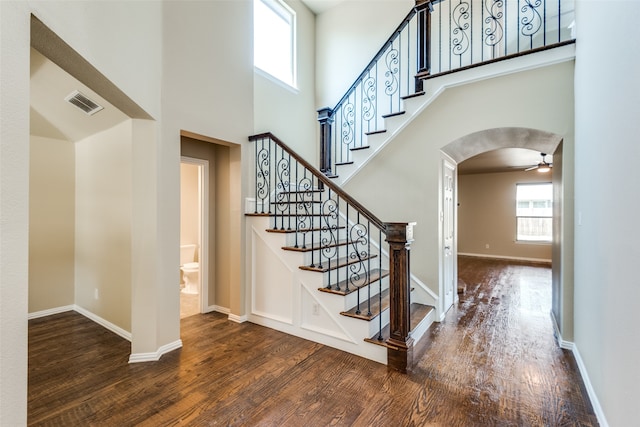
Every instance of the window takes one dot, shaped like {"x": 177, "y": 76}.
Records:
{"x": 534, "y": 212}
{"x": 274, "y": 39}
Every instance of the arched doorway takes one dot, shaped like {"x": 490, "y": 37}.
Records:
{"x": 562, "y": 248}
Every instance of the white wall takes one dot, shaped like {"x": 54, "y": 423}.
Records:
{"x": 607, "y": 204}
{"x": 289, "y": 113}
{"x": 407, "y": 170}
{"x": 51, "y": 223}
{"x": 103, "y": 224}
{"x": 347, "y": 38}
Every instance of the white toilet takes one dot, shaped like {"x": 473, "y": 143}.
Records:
{"x": 190, "y": 269}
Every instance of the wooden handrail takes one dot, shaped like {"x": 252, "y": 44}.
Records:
{"x": 324, "y": 179}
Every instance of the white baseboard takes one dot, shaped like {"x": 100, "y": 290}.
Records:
{"x": 590, "y": 391}
{"x": 238, "y": 319}
{"x": 515, "y": 258}
{"x": 568, "y": 345}
{"x": 104, "y": 323}
{"x": 50, "y": 312}
{"x": 217, "y": 309}
{"x": 155, "y": 356}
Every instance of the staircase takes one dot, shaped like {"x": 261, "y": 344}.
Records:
{"x": 329, "y": 253}
{"x": 322, "y": 266}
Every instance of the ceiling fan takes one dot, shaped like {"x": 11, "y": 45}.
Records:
{"x": 543, "y": 166}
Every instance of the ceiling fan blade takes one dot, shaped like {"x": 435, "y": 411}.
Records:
{"x": 531, "y": 168}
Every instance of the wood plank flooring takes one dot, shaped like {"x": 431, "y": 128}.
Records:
{"x": 492, "y": 362}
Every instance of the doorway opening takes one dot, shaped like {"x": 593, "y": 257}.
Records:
{"x": 194, "y": 225}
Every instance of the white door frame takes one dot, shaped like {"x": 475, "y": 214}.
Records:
{"x": 203, "y": 227}
{"x": 451, "y": 246}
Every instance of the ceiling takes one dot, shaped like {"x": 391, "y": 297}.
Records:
{"x": 319, "y": 6}
{"x": 501, "y": 160}
{"x": 53, "y": 117}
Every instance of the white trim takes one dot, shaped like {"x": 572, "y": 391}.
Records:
{"x": 50, "y": 312}
{"x": 155, "y": 356}
{"x": 590, "y": 391}
{"x": 568, "y": 345}
{"x": 203, "y": 227}
{"x": 104, "y": 323}
{"x": 515, "y": 258}
{"x": 238, "y": 319}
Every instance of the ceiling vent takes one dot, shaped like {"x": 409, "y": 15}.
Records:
{"x": 82, "y": 102}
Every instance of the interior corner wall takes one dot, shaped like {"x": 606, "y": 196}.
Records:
{"x": 486, "y": 216}
{"x": 51, "y": 223}
{"x": 290, "y": 113}
{"x": 347, "y": 37}
{"x": 607, "y": 204}
{"x": 103, "y": 224}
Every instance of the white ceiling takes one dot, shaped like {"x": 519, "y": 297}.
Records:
{"x": 319, "y": 6}
{"x": 53, "y": 117}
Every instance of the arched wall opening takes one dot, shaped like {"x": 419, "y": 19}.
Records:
{"x": 562, "y": 248}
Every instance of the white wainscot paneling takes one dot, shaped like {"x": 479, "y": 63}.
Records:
{"x": 316, "y": 317}
{"x": 272, "y": 284}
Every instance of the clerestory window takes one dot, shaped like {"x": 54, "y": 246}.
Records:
{"x": 274, "y": 39}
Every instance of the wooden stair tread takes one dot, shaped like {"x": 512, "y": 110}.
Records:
{"x": 297, "y": 202}
{"x": 306, "y": 230}
{"x": 376, "y": 304}
{"x": 344, "y": 163}
{"x": 413, "y": 95}
{"x": 333, "y": 264}
{"x": 315, "y": 190}
{"x": 397, "y": 113}
{"x": 374, "y": 276}
{"x": 374, "y": 132}
{"x": 314, "y": 247}
{"x": 364, "y": 147}
{"x": 417, "y": 313}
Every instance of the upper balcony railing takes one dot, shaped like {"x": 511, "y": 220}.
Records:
{"x": 437, "y": 37}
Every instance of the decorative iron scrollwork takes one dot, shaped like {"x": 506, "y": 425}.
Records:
{"x": 460, "y": 39}
{"x": 494, "y": 31}
{"x": 531, "y": 21}
{"x": 263, "y": 165}
{"x": 348, "y": 112}
{"x": 368, "y": 98}
{"x": 391, "y": 83}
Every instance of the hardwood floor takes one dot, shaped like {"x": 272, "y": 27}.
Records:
{"x": 492, "y": 362}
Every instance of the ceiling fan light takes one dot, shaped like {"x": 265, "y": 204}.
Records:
{"x": 544, "y": 168}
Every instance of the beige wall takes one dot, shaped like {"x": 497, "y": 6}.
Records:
{"x": 220, "y": 262}
{"x": 407, "y": 171}
{"x": 103, "y": 224}
{"x": 486, "y": 215}
{"x": 51, "y": 223}
{"x": 189, "y": 203}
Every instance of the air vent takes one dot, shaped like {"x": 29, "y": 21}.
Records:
{"x": 82, "y": 102}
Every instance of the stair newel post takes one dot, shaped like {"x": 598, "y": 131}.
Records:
{"x": 424, "y": 9}
{"x": 400, "y": 343}
{"x": 325, "y": 117}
